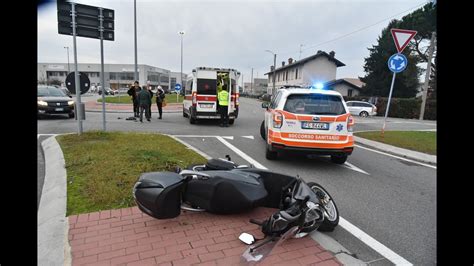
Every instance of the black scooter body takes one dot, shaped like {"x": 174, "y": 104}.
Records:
{"x": 158, "y": 194}
{"x": 229, "y": 190}
{"x": 226, "y": 192}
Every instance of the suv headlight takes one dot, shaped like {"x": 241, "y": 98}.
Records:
{"x": 70, "y": 103}
{"x": 42, "y": 103}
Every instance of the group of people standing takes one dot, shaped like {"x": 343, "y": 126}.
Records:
{"x": 141, "y": 98}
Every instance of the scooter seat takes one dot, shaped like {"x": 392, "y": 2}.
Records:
{"x": 226, "y": 191}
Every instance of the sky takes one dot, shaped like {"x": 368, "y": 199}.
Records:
{"x": 229, "y": 33}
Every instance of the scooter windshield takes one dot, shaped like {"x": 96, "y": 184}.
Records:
{"x": 253, "y": 255}
{"x": 302, "y": 190}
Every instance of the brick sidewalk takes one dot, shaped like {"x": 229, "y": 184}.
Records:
{"x": 129, "y": 237}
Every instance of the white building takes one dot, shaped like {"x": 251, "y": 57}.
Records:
{"x": 258, "y": 87}
{"x": 318, "y": 68}
{"x": 116, "y": 76}
{"x": 174, "y": 78}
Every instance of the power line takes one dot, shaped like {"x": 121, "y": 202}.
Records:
{"x": 358, "y": 30}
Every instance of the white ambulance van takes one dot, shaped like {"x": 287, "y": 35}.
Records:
{"x": 201, "y": 89}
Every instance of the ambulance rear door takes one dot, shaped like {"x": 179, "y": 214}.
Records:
{"x": 206, "y": 91}
{"x": 233, "y": 93}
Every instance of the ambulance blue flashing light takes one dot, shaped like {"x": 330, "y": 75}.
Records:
{"x": 318, "y": 86}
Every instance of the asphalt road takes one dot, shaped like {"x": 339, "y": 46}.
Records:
{"x": 394, "y": 201}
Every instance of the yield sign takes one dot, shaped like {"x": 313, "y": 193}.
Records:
{"x": 402, "y": 38}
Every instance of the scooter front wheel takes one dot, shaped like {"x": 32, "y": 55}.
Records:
{"x": 331, "y": 215}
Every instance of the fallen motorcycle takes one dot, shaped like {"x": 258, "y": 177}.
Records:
{"x": 223, "y": 187}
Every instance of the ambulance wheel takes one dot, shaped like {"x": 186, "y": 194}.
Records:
{"x": 339, "y": 159}
{"x": 192, "y": 120}
{"x": 231, "y": 121}
{"x": 271, "y": 155}
{"x": 262, "y": 131}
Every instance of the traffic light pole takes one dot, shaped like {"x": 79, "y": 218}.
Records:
{"x": 102, "y": 79}
{"x": 76, "y": 78}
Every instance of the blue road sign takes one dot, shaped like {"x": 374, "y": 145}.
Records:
{"x": 397, "y": 63}
{"x": 177, "y": 87}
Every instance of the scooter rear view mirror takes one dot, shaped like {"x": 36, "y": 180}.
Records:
{"x": 247, "y": 238}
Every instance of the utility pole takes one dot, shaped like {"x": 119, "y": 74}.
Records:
{"x": 301, "y": 45}
{"x": 274, "y": 68}
{"x": 68, "y": 70}
{"x": 78, "y": 106}
{"x": 274, "y": 73}
{"x": 102, "y": 80}
{"x": 427, "y": 76}
{"x": 135, "y": 21}
{"x": 181, "y": 77}
{"x": 251, "y": 81}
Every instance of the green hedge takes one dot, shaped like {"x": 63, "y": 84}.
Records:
{"x": 400, "y": 107}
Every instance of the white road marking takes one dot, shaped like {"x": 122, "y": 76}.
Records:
{"x": 355, "y": 168}
{"x": 201, "y": 136}
{"x": 374, "y": 244}
{"x": 190, "y": 147}
{"x": 231, "y": 137}
{"x": 241, "y": 154}
{"x": 398, "y": 157}
{"x": 248, "y": 137}
{"x": 361, "y": 235}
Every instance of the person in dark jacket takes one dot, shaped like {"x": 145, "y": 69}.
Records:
{"x": 133, "y": 92}
{"x": 160, "y": 96}
{"x": 144, "y": 100}
{"x": 151, "y": 97}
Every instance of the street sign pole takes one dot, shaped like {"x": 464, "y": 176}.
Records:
{"x": 102, "y": 78}
{"x": 401, "y": 38}
{"x": 76, "y": 80}
{"x": 388, "y": 103}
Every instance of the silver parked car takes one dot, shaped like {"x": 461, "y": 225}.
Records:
{"x": 363, "y": 109}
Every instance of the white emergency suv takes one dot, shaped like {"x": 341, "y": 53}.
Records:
{"x": 201, "y": 89}
{"x": 308, "y": 120}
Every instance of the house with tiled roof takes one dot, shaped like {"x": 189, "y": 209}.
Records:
{"x": 346, "y": 86}
{"x": 318, "y": 68}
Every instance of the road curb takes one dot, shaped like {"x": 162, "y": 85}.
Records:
{"x": 409, "y": 154}
{"x": 339, "y": 251}
{"x": 52, "y": 220}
